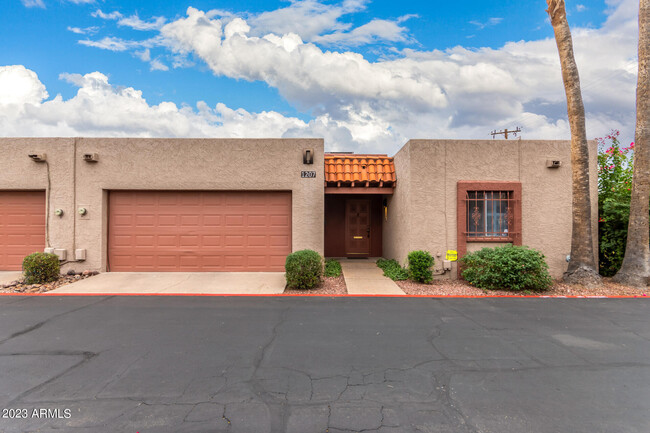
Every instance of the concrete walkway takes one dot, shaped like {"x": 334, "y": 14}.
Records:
{"x": 363, "y": 277}
{"x": 194, "y": 283}
{"x": 7, "y": 277}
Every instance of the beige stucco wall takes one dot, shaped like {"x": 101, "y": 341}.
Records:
{"x": 435, "y": 167}
{"x": 159, "y": 164}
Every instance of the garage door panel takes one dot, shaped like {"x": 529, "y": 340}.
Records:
{"x": 199, "y": 231}
{"x": 22, "y": 226}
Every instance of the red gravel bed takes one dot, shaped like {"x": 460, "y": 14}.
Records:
{"x": 462, "y": 288}
{"x": 328, "y": 286}
{"x": 18, "y": 286}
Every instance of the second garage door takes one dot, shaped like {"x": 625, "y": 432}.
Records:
{"x": 199, "y": 230}
{"x": 22, "y": 226}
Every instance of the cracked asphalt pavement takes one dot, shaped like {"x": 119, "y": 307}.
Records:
{"x": 316, "y": 364}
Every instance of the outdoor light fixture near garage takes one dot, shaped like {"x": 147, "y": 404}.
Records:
{"x": 38, "y": 157}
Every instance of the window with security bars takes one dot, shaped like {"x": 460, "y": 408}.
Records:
{"x": 490, "y": 214}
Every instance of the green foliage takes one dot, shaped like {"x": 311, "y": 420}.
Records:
{"x": 40, "y": 268}
{"x": 614, "y": 184}
{"x": 332, "y": 268}
{"x": 507, "y": 268}
{"x": 392, "y": 269}
{"x": 419, "y": 266}
{"x": 303, "y": 269}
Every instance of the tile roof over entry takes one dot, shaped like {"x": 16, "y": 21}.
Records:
{"x": 356, "y": 170}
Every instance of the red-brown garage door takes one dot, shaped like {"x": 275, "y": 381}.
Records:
{"x": 198, "y": 230}
{"x": 22, "y": 226}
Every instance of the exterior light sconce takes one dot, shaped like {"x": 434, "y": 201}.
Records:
{"x": 385, "y": 204}
{"x": 38, "y": 157}
{"x": 82, "y": 211}
{"x": 58, "y": 212}
{"x": 90, "y": 157}
{"x": 308, "y": 156}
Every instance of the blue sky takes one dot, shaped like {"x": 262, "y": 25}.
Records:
{"x": 366, "y": 75}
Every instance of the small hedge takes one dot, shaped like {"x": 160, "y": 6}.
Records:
{"x": 510, "y": 268}
{"x": 40, "y": 268}
{"x": 392, "y": 269}
{"x": 332, "y": 268}
{"x": 303, "y": 269}
{"x": 419, "y": 266}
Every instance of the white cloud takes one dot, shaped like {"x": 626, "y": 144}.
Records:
{"x": 376, "y": 106}
{"x": 117, "y": 44}
{"x": 157, "y": 65}
{"x": 33, "y": 3}
{"x": 101, "y": 109}
{"x": 307, "y": 18}
{"x": 374, "y": 31}
{"x": 490, "y": 22}
{"x": 137, "y": 24}
{"x": 20, "y": 86}
{"x": 110, "y": 16}
{"x": 84, "y": 31}
{"x": 581, "y": 8}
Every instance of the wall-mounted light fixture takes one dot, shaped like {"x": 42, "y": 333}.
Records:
{"x": 82, "y": 211}
{"x": 38, "y": 157}
{"x": 58, "y": 212}
{"x": 308, "y": 156}
{"x": 90, "y": 157}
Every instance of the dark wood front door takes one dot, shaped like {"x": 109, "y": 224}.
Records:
{"x": 357, "y": 227}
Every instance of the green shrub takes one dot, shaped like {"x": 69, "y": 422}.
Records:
{"x": 332, "y": 268}
{"x": 509, "y": 268}
{"x": 392, "y": 269}
{"x": 40, "y": 268}
{"x": 419, "y": 269}
{"x": 303, "y": 269}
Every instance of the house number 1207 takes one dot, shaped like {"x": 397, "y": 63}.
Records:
{"x": 307, "y": 174}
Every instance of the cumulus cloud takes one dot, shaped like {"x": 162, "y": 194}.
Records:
{"x": 20, "y": 86}
{"x": 375, "y": 31}
{"x": 102, "y": 109}
{"x": 357, "y": 104}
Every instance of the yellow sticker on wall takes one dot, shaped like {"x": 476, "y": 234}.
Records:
{"x": 452, "y": 255}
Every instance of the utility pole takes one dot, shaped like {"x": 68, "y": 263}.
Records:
{"x": 505, "y": 132}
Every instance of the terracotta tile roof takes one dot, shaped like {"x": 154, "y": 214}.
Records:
{"x": 344, "y": 169}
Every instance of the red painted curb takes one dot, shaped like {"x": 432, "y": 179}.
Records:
{"x": 328, "y": 296}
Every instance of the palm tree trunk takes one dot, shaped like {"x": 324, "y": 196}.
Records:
{"x": 582, "y": 266}
{"x": 635, "y": 270}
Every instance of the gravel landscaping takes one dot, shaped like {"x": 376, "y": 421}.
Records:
{"x": 461, "y": 288}
{"x": 18, "y": 286}
{"x": 328, "y": 286}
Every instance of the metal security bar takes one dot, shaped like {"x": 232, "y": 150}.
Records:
{"x": 490, "y": 215}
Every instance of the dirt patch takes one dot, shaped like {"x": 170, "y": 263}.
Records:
{"x": 462, "y": 288}
{"x": 327, "y": 286}
{"x": 18, "y": 286}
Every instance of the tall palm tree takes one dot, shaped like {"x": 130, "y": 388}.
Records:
{"x": 582, "y": 266}
{"x": 635, "y": 270}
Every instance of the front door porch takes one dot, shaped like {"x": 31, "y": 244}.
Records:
{"x": 353, "y": 225}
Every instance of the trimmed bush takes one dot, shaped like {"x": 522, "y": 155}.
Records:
{"x": 303, "y": 269}
{"x": 419, "y": 269}
{"x": 509, "y": 267}
{"x": 392, "y": 269}
{"x": 332, "y": 268}
{"x": 39, "y": 268}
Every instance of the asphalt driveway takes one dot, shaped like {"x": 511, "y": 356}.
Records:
{"x": 292, "y": 364}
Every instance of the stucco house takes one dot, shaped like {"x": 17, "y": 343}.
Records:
{"x": 116, "y": 204}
